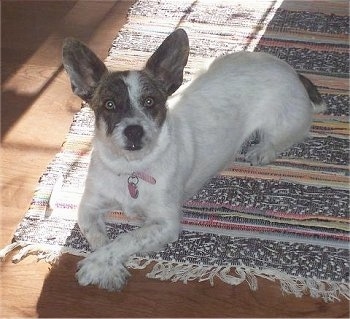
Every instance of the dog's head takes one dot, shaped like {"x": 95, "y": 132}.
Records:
{"x": 129, "y": 106}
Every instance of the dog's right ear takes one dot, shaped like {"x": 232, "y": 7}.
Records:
{"x": 84, "y": 68}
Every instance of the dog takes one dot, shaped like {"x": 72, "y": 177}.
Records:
{"x": 156, "y": 146}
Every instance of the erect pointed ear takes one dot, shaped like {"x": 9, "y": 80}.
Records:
{"x": 169, "y": 60}
{"x": 84, "y": 68}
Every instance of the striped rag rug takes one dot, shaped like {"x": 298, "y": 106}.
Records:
{"x": 287, "y": 221}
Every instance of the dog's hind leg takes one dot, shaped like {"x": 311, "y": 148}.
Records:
{"x": 261, "y": 154}
{"x": 272, "y": 143}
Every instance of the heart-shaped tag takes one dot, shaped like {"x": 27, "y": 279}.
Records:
{"x": 133, "y": 191}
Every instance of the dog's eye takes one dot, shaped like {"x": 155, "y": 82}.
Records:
{"x": 110, "y": 105}
{"x": 149, "y": 102}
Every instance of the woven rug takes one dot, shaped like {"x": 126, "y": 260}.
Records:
{"x": 286, "y": 222}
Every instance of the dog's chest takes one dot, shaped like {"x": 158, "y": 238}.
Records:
{"x": 133, "y": 194}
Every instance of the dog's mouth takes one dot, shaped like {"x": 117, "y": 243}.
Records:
{"x": 133, "y": 147}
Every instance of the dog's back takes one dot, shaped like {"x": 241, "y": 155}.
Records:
{"x": 240, "y": 94}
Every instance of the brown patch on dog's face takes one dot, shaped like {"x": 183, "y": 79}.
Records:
{"x": 111, "y": 102}
{"x": 153, "y": 98}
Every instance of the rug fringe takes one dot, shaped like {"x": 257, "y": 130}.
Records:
{"x": 48, "y": 253}
{"x": 176, "y": 271}
{"x": 8, "y": 249}
{"x": 235, "y": 275}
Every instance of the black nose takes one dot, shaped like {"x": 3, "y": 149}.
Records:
{"x": 134, "y": 134}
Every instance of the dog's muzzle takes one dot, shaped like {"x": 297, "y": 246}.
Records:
{"x": 133, "y": 134}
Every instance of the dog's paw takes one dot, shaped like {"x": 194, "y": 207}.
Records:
{"x": 103, "y": 273}
{"x": 260, "y": 154}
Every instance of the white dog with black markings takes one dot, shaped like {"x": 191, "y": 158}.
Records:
{"x": 153, "y": 151}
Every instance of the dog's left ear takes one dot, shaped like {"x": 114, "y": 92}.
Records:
{"x": 169, "y": 60}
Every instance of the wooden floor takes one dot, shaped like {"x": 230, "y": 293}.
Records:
{"x": 37, "y": 108}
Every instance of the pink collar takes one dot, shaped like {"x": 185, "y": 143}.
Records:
{"x": 133, "y": 180}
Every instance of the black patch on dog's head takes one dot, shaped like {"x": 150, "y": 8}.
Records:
{"x": 111, "y": 100}
{"x": 152, "y": 89}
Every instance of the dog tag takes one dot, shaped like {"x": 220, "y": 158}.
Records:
{"x": 133, "y": 180}
{"x": 133, "y": 191}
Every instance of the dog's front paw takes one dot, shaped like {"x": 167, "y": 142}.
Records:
{"x": 94, "y": 270}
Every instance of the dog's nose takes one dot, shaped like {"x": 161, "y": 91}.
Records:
{"x": 134, "y": 134}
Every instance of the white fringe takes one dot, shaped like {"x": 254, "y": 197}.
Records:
{"x": 234, "y": 275}
{"x": 48, "y": 253}
{"x": 175, "y": 271}
{"x": 9, "y": 248}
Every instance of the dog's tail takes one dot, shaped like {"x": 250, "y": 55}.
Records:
{"x": 319, "y": 106}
